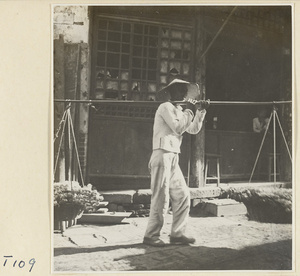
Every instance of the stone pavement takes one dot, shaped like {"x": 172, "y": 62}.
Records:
{"x": 222, "y": 243}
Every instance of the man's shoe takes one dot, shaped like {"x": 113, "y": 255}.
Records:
{"x": 182, "y": 240}
{"x": 152, "y": 242}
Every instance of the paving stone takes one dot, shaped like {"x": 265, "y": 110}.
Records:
{"x": 222, "y": 243}
{"x": 88, "y": 240}
{"x": 62, "y": 241}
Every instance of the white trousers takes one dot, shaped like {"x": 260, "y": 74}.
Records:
{"x": 167, "y": 182}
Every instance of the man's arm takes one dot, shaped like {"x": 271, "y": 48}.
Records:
{"x": 178, "y": 126}
{"x": 197, "y": 123}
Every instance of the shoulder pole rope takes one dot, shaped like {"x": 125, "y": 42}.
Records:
{"x": 283, "y": 136}
{"x": 75, "y": 145}
{"x": 59, "y": 126}
{"x": 70, "y": 176}
{"x": 274, "y": 144}
{"x": 67, "y": 118}
{"x": 275, "y": 117}
{"x": 63, "y": 120}
{"x": 260, "y": 148}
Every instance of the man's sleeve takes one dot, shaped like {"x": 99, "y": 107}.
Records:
{"x": 256, "y": 127}
{"x": 196, "y": 125}
{"x": 178, "y": 125}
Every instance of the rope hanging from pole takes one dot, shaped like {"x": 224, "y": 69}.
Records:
{"x": 75, "y": 145}
{"x": 260, "y": 148}
{"x": 61, "y": 138}
{"x": 274, "y": 143}
{"x": 62, "y": 121}
{"x": 275, "y": 117}
{"x": 67, "y": 120}
{"x": 284, "y": 138}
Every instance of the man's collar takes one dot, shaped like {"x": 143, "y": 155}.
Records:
{"x": 178, "y": 106}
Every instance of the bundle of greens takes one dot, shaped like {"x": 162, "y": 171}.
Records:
{"x": 265, "y": 204}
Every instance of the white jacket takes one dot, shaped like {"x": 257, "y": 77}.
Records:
{"x": 170, "y": 122}
{"x": 258, "y": 126}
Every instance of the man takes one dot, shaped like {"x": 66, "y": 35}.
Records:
{"x": 261, "y": 121}
{"x": 167, "y": 180}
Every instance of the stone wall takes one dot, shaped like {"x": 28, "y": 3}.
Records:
{"x": 71, "y": 78}
{"x": 72, "y": 22}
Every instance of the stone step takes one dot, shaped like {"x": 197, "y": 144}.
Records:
{"x": 105, "y": 218}
{"x": 143, "y": 196}
{"x": 224, "y": 207}
{"x": 209, "y": 191}
{"x": 103, "y": 204}
{"x": 118, "y": 197}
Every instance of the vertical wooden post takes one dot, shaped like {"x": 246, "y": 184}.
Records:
{"x": 59, "y": 88}
{"x": 77, "y": 75}
{"x": 198, "y": 141}
{"x": 83, "y": 112}
{"x": 286, "y": 111}
{"x": 274, "y": 143}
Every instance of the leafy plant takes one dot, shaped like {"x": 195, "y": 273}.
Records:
{"x": 265, "y": 205}
{"x": 84, "y": 198}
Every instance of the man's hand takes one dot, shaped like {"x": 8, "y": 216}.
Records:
{"x": 203, "y": 105}
{"x": 191, "y": 107}
{"x": 194, "y": 104}
{"x": 189, "y": 100}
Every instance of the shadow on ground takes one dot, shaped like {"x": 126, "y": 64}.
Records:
{"x": 270, "y": 256}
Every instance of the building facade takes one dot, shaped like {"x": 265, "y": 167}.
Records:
{"x": 121, "y": 57}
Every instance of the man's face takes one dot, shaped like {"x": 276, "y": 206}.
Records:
{"x": 178, "y": 92}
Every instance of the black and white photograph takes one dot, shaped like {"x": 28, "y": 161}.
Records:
{"x": 173, "y": 139}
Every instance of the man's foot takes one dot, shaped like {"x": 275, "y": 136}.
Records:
{"x": 154, "y": 242}
{"x": 182, "y": 240}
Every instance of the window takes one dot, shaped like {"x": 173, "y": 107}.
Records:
{"x": 132, "y": 60}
